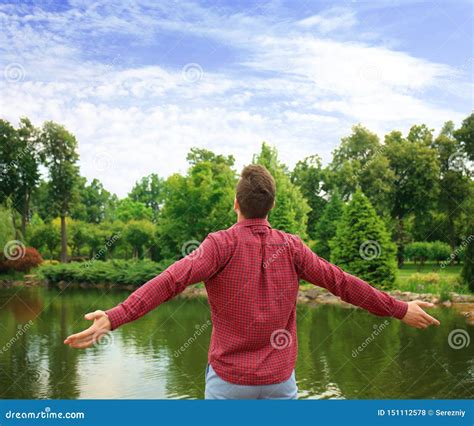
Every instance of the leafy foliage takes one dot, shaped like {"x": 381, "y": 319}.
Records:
{"x": 362, "y": 245}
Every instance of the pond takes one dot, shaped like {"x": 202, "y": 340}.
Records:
{"x": 343, "y": 353}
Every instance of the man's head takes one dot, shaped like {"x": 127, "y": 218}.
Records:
{"x": 256, "y": 189}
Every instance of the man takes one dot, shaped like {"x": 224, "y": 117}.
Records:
{"x": 252, "y": 274}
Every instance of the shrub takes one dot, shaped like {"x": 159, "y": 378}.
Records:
{"x": 30, "y": 259}
{"x": 418, "y": 251}
{"x": 362, "y": 245}
{"x": 127, "y": 272}
{"x": 439, "y": 251}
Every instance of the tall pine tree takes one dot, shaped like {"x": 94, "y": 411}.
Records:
{"x": 362, "y": 245}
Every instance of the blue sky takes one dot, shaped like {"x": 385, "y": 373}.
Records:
{"x": 141, "y": 82}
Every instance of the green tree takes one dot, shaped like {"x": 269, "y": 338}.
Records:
{"x": 465, "y": 136}
{"x": 78, "y": 231}
{"x": 308, "y": 176}
{"x": 128, "y": 209}
{"x": 291, "y": 209}
{"x": 149, "y": 191}
{"x": 454, "y": 180}
{"x": 46, "y": 238}
{"x": 139, "y": 234}
{"x": 196, "y": 204}
{"x": 9, "y": 175}
{"x": 415, "y": 168}
{"x": 362, "y": 245}
{"x": 94, "y": 202}
{"x": 327, "y": 225}
{"x": 467, "y": 272}
{"x": 359, "y": 162}
{"x": 7, "y": 231}
{"x": 28, "y": 163}
{"x": 60, "y": 149}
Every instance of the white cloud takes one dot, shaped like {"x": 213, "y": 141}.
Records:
{"x": 297, "y": 90}
{"x": 330, "y": 20}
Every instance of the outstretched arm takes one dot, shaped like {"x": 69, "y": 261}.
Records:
{"x": 198, "y": 266}
{"x": 353, "y": 290}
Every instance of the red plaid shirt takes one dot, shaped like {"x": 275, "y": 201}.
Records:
{"x": 252, "y": 274}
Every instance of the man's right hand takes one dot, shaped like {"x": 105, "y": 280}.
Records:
{"x": 90, "y": 336}
{"x": 417, "y": 317}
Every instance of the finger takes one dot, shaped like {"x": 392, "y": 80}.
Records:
{"x": 82, "y": 345}
{"x": 93, "y": 315}
{"x": 88, "y": 332}
{"x": 423, "y": 304}
{"x": 429, "y": 318}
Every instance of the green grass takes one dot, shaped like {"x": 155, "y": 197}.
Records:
{"x": 12, "y": 276}
{"x": 431, "y": 278}
{"x": 427, "y": 279}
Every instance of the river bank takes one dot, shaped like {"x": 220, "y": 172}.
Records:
{"x": 308, "y": 295}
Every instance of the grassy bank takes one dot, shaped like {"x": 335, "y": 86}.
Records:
{"x": 427, "y": 279}
{"x": 122, "y": 272}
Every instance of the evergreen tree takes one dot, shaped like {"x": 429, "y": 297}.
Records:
{"x": 362, "y": 245}
{"x": 327, "y": 225}
{"x": 291, "y": 209}
{"x": 467, "y": 272}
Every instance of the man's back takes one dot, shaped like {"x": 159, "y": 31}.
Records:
{"x": 253, "y": 298}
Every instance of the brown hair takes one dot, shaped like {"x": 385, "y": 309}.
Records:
{"x": 255, "y": 191}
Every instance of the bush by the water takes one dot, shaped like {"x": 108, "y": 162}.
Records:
{"x": 421, "y": 251}
{"x": 124, "y": 272}
{"x": 28, "y": 260}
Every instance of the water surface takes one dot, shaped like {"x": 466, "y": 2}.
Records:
{"x": 343, "y": 353}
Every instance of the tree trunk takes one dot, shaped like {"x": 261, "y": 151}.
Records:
{"x": 400, "y": 243}
{"x": 24, "y": 216}
{"x": 63, "y": 239}
{"x": 17, "y": 236}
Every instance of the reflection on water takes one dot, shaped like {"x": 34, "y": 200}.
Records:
{"x": 344, "y": 353}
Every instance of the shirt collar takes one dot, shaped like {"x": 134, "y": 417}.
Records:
{"x": 254, "y": 222}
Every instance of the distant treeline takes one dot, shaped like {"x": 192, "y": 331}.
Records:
{"x": 407, "y": 188}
